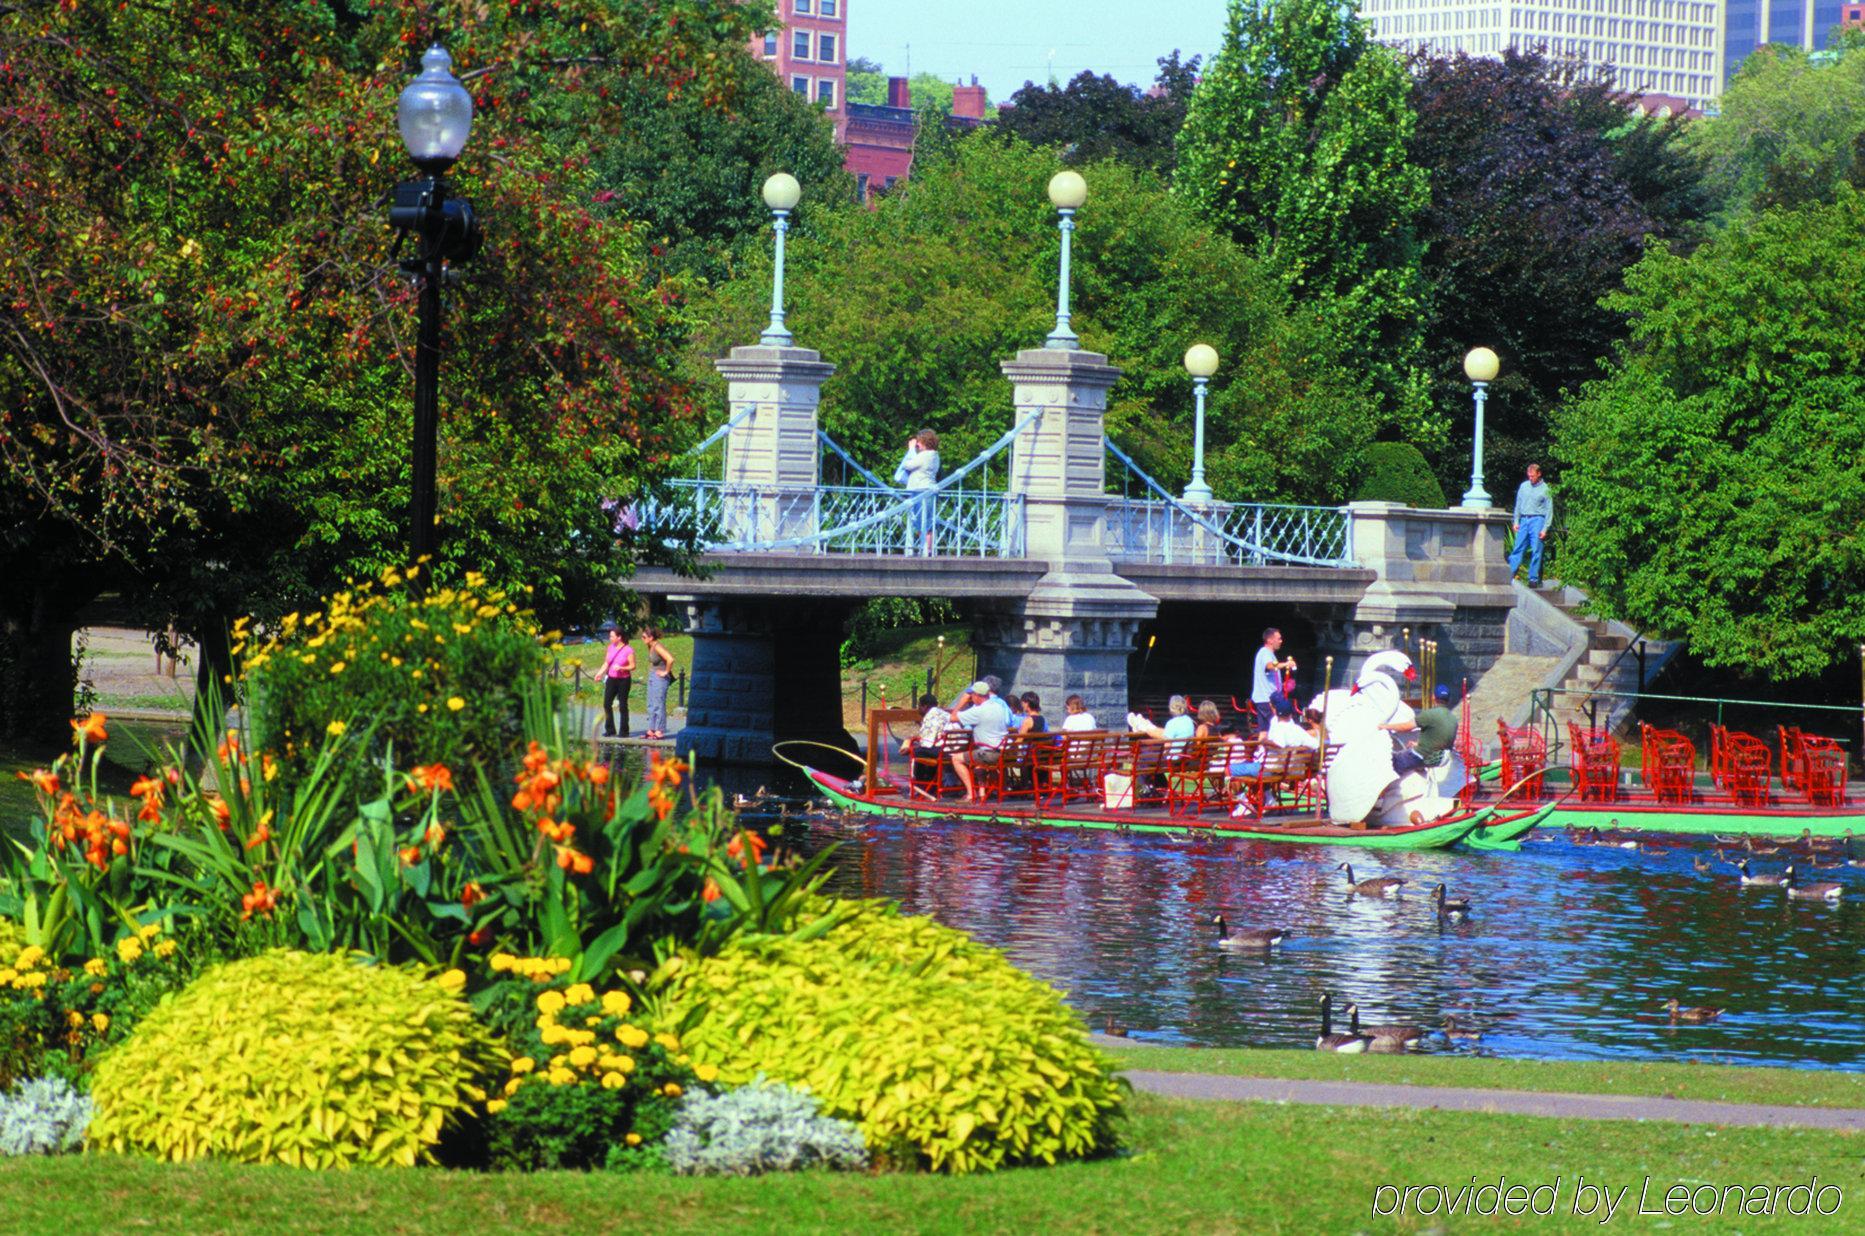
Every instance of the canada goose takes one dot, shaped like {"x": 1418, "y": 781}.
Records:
{"x": 1455, "y": 911}
{"x": 1388, "y": 1037}
{"x": 1760, "y": 881}
{"x": 1250, "y": 939}
{"x": 1452, "y": 1033}
{"x": 1696, "y": 1016}
{"x": 1819, "y": 890}
{"x": 1328, "y": 1040}
{"x": 1378, "y": 886}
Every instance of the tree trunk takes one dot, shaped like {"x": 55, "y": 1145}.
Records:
{"x": 38, "y": 675}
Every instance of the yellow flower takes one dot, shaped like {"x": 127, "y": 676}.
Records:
{"x": 100, "y": 1022}
{"x": 553, "y": 1034}
{"x": 149, "y": 932}
{"x": 671, "y": 1090}
{"x": 8, "y": 975}
{"x": 632, "y": 1037}
{"x": 616, "y": 1003}
{"x": 550, "y": 1002}
{"x": 495, "y": 1106}
{"x": 707, "y": 1073}
{"x": 452, "y": 980}
{"x": 74, "y": 1019}
{"x": 164, "y": 948}
{"x": 580, "y": 993}
{"x": 501, "y": 962}
{"x": 562, "y": 1077}
{"x": 523, "y": 1064}
{"x": 129, "y": 949}
{"x": 511, "y": 1087}
{"x": 624, "y": 1064}
{"x": 633, "y": 1139}
{"x": 582, "y": 1057}
{"x": 337, "y": 667}
{"x": 455, "y": 703}
{"x": 96, "y": 967}
{"x": 592, "y": 1020}
{"x": 668, "y": 1041}
{"x": 29, "y": 957}
{"x": 613, "y": 1081}
{"x": 29, "y": 982}
{"x": 335, "y": 729}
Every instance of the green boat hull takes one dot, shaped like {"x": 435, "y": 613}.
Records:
{"x": 1427, "y": 837}
{"x": 1689, "y": 821}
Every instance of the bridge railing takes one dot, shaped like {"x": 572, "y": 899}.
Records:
{"x": 849, "y": 519}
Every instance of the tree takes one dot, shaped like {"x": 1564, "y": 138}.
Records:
{"x": 1294, "y": 144}
{"x": 688, "y": 173}
{"x": 1714, "y": 475}
{"x": 1789, "y": 130}
{"x": 866, "y": 81}
{"x": 205, "y": 343}
{"x": 1095, "y": 118}
{"x": 1530, "y": 224}
{"x": 919, "y": 300}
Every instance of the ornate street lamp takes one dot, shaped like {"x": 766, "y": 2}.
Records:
{"x": 1201, "y": 363}
{"x": 435, "y": 115}
{"x": 1067, "y": 191}
{"x": 1480, "y": 367}
{"x": 781, "y": 194}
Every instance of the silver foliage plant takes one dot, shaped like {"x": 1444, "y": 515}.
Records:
{"x": 764, "y": 1126}
{"x": 43, "y": 1116}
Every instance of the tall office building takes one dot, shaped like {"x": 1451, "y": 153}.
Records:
{"x": 1669, "y": 47}
{"x": 1802, "y": 23}
{"x": 809, "y": 53}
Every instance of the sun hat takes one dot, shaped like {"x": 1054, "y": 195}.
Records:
{"x": 980, "y": 688}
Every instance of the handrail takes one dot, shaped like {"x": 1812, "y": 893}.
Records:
{"x": 722, "y": 430}
{"x": 1541, "y": 708}
{"x": 848, "y": 459}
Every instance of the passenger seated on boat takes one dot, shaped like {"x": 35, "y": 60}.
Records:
{"x": 1210, "y": 721}
{"x": 1079, "y": 720}
{"x": 1177, "y": 728}
{"x": 928, "y": 742}
{"x": 1284, "y": 733}
{"x": 1030, "y": 716}
{"x": 1437, "y": 734}
{"x": 988, "y": 718}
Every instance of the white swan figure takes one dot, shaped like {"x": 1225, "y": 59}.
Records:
{"x": 1361, "y": 782}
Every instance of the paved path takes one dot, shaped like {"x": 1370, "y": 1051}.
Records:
{"x": 1511, "y": 1102}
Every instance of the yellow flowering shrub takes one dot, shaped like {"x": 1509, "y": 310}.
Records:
{"x": 941, "y": 1050}
{"x": 311, "y": 1060}
{"x": 56, "y": 1016}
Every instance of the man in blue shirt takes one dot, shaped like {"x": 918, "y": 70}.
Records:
{"x": 1534, "y": 512}
{"x": 988, "y": 718}
{"x": 1266, "y": 697}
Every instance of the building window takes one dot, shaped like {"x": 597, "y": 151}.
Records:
{"x": 827, "y": 9}
{"x": 825, "y": 48}
{"x": 801, "y": 6}
{"x": 825, "y": 92}
{"x": 800, "y": 85}
{"x": 799, "y": 45}
{"x": 861, "y": 185}
{"x": 770, "y": 44}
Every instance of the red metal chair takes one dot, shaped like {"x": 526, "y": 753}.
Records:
{"x": 1823, "y": 773}
{"x": 928, "y": 775}
{"x": 1198, "y": 777}
{"x": 1748, "y": 771}
{"x": 1593, "y": 760}
{"x": 1524, "y": 755}
{"x": 1146, "y": 761}
{"x": 1013, "y": 775}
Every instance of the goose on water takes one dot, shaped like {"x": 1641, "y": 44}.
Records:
{"x": 1378, "y": 886}
{"x": 1456, "y": 1035}
{"x": 1387, "y": 1037}
{"x": 1251, "y": 939}
{"x": 1457, "y": 911}
{"x": 1818, "y": 890}
{"x": 1328, "y": 1040}
{"x": 1762, "y": 881}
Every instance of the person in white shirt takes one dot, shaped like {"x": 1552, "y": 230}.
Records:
{"x": 1079, "y": 719}
{"x": 933, "y": 726}
{"x": 988, "y": 718}
{"x": 919, "y": 473}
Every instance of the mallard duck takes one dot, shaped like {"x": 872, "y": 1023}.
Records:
{"x": 1696, "y": 1016}
{"x": 1115, "y": 1031}
{"x": 1249, "y": 939}
{"x": 1759, "y": 851}
{"x": 1453, "y": 911}
{"x": 1328, "y": 1040}
{"x": 1760, "y": 881}
{"x": 1379, "y": 886}
{"x": 1387, "y": 1037}
{"x": 1818, "y": 890}
{"x": 1702, "y": 867}
{"x": 1455, "y": 1035}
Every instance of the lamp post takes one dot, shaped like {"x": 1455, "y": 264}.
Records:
{"x": 1201, "y": 363}
{"x": 1480, "y": 366}
{"x": 1067, "y": 191}
{"x": 435, "y": 114}
{"x": 781, "y": 194}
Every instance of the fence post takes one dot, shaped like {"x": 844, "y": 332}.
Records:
{"x": 683, "y": 688}
{"x": 864, "y": 699}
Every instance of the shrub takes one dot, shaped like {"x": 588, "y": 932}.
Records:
{"x": 43, "y": 1116}
{"x": 435, "y": 679}
{"x": 936, "y": 1045}
{"x": 55, "y": 1018}
{"x": 1399, "y": 472}
{"x": 297, "y": 1058}
{"x": 587, "y": 1087}
{"x": 760, "y": 1127}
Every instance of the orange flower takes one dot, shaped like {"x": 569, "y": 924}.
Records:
{"x": 472, "y": 894}
{"x": 736, "y": 847}
{"x": 146, "y": 787}
{"x": 91, "y": 729}
{"x": 662, "y": 771}
{"x": 582, "y": 864}
{"x": 711, "y": 891}
{"x": 598, "y": 774}
{"x": 411, "y": 855}
{"x": 261, "y": 900}
{"x": 43, "y": 780}
{"x": 433, "y": 777}
{"x": 436, "y": 833}
{"x": 479, "y": 938}
{"x": 223, "y": 814}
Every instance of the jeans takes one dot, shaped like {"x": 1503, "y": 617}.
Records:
{"x": 922, "y": 522}
{"x": 1528, "y": 541}
{"x": 657, "y": 702}
{"x": 615, "y": 690}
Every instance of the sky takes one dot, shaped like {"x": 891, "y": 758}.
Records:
{"x": 1008, "y": 42}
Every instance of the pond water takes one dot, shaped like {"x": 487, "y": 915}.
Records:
{"x": 1570, "y": 954}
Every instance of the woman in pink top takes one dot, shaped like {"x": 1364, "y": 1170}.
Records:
{"x": 617, "y": 677}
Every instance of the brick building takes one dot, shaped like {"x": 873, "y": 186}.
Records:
{"x": 809, "y": 53}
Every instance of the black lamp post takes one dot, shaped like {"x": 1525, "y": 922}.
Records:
{"x": 435, "y": 114}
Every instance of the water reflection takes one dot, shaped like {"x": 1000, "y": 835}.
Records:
{"x": 1570, "y": 954}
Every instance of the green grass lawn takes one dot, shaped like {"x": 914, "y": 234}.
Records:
{"x": 899, "y": 666}
{"x": 1190, "y": 1167}
{"x": 1705, "y": 1082}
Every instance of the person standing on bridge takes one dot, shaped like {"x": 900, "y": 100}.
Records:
{"x": 618, "y": 668}
{"x": 919, "y": 472}
{"x": 1534, "y": 512}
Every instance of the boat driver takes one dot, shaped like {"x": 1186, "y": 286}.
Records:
{"x": 1436, "y": 727}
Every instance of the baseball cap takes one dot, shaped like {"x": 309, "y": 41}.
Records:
{"x": 1443, "y": 692}
{"x": 980, "y": 688}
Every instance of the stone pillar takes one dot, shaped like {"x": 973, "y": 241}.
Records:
{"x": 1074, "y": 632}
{"x": 772, "y": 462}
{"x": 763, "y": 671}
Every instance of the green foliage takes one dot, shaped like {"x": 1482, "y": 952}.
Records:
{"x": 296, "y": 1058}
{"x": 1712, "y": 476}
{"x": 1095, "y": 118}
{"x": 760, "y": 1127}
{"x": 1399, "y": 472}
{"x": 866, "y": 82}
{"x": 1791, "y": 130}
{"x": 437, "y": 678}
{"x": 958, "y": 273}
{"x": 1294, "y": 144}
{"x": 937, "y": 1046}
{"x": 43, "y": 1116}
{"x": 586, "y": 1087}
{"x": 868, "y": 628}
{"x": 56, "y": 1019}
